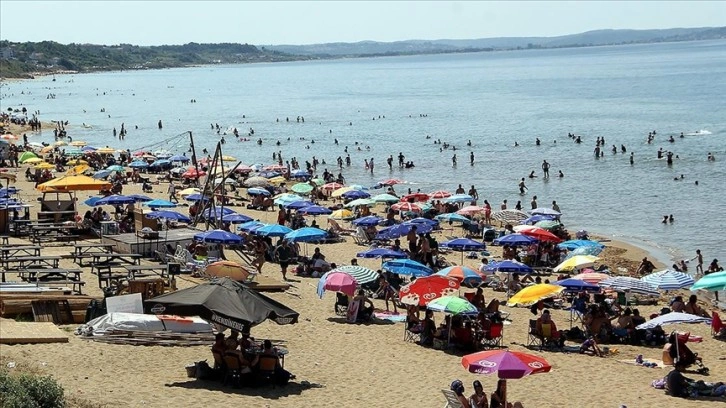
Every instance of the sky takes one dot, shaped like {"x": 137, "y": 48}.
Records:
{"x": 304, "y": 22}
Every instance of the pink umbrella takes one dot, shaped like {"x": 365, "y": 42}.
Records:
{"x": 507, "y": 364}
{"x": 340, "y": 282}
{"x": 331, "y": 186}
{"x": 470, "y": 210}
{"x": 591, "y": 277}
{"x": 406, "y": 207}
{"x": 439, "y": 194}
{"x": 391, "y": 182}
{"x": 275, "y": 167}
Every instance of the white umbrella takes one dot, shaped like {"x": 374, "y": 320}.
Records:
{"x": 668, "y": 280}
{"x": 673, "y": 318}
{"x": 632, "y": 285}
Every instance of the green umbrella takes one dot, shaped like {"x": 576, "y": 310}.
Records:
{"x": 27, "y": 155}
{"x": 714, "y": 282}
{"x": 361, "y": 274}
{"x": 359, "y": 202}
{"x": 452, "y": 305}
{"x": 302, "y": 188}
{"x": 547, "y": 224}
{"x": 318, "y": 181}
{"x": 385, "y": 198}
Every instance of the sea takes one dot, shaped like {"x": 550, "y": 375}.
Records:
{"x": 500, "y": 101}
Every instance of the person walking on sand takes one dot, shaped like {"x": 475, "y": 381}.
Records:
{"x": 546, "y": 169}
{"x": 283, "y": 254}
{"x": 172, "y": 193}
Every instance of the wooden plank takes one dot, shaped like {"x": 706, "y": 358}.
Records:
{"x": 12, "y": 332}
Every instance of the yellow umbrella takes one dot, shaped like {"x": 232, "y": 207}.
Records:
{"x": 74, "y": 183}
{"x": 229, "y": 269}
{"x": 576, "y": 263}
{"x": 77, "y": 143}
{"x": 44, "y": 165}
{"x": 77, "y": 170}
{"x": 105, "y": 150}
{"x": 339, "y": 192}
{"x": 277, "y": 180}
{"x": 76, "y": 162}
{"x": 188, "y": 192}
{"x": 60, "y": 143}
{"x": 46, "y": 149}
{"x": 228, "y": 158}
{"x": 533, "y": 294}
{"x": 341, "y": 214}
{"x": 34, "y": 160}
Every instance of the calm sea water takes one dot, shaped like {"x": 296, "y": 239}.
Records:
{"x": 492, "y": 99}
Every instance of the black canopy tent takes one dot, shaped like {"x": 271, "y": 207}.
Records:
{"x": 225, "y": 302}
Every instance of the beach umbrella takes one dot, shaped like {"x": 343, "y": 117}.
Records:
{"x": 426, "y": 221}
{"x": 673, "y": 318}
{"x": 463, "y": 274}
{"x": 626, "y": 283}
{"x": 196, "y": 197}
{"x": 545, "y": 211}
{"x": 48, "y": 166}
{"x": 576, "y": 263}
{"x": 591, "y": 277}
{"x": 168, "y": 215}
{"x": 275, "y": 167}
{"x": 279, "y": 180}
{"x": 369, "y": 221}
{"x": 179, "y": 158}
{"x": 577, "y": 285}
{"x": 88, "y": 149}
{"x": 225, "y": 302}
{"x": 360, "y": 202}
{"x": 541, "y": 235}
{"x": 400, "y": 230}
{"x": 159, "y": 203}
{"x": 73, "y": 183}
{"x": 341, "y": 215}
{"x": 60, "y": 143}
{"x": 77, "y": 143}
{"x": 537, "y": 218}
{"x": 509, "y": 266}
{"x": 458, "y": 198}
{"x": 273, "y": 230}
{"x": 287, "y": 198}
{"x": 228, "y": 158}
{"x": 91, "y": 201}
{"x": 258, "y": 191}
{"x": 586, "y": 250}
{"x": 712, "y": 281}
{"x": 306, "y": 234}
{"x": 250, "y": 226}
{"x": 269, "y": 174}
{"x": 406, "y": 206}
{"x": 140, "y": 164}
{"x": 437, "y": 195}
{"x": 302, "y": 188}
{"x": 9, "y": 137}
{"x": 355, "y": 194}
{"x": 505, "y": 363}
{"x": 533, "y": 294}
{"x": 315, "y": 210}
{"x": 578, "y": 243}
{"x": 452, "y": 305}
{"x": 383, "y": 253}
{"x": 668, "y": 280}
{"x": 338, "y": 282}
{"x": 423, "y": 290}
{"x": 385, "y": 198}
{"x": 193, "y": 173}
{"x": 116, "y": 167}
{"x": 227, "y": 269}
{"x": 106, "y": 150}
{"x": 339, "y": 192}
{"x": 217, "y": 212}
{"x": 33, "y": 160}
{"x": 188, "y": 191}
{"x": 361, "y": 274}
{"x": 331, "y": 186}
{"x": 514, "y": 240}
{"x": 407, "y": 267}
{"x": 414, "y": 197}
{"x": 296, "y": 205}
{"x": 391, "y": 182}
{"x": 299, "y": 173}
{"x": 27, "y": 155}
{"x": 463, "y": 245}
{"x": 235, "y": 218}
{"x": 548, "y": 225}
{"x": 256, "y": 182}
{"x": 470, "y": 210}
{"x": 218, "y": 236}
{"x": 115, "y": 200}
{"x": 509, "y": 216}
{"x": 453, "y": 217}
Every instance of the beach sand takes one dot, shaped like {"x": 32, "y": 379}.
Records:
{"x": 351, "y": 365}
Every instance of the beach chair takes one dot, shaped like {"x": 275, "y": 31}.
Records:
{"x": 412, "y": 334}
{"x": 451, "y": 400}
{"x": 341, "y": 304}
{"x": 266, "y": 368}
{"x": 533, "y": 338}
{"x": 493, "y": 338}
{"x": 234, "y": 370}
{"x": 718, "y": 327}
{"x": 360, "y": 237}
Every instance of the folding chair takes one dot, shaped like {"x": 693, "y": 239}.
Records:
{"x": 341, "y": 304}
{"x": 494, "y": 337}
{"x": 451, "y": 400}
{"x": 412, "y": 334}
{"x": 718, "y": 327}
{"x": 533, "y": 338}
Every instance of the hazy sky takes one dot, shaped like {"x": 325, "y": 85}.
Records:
{"x": 299, "y": 22}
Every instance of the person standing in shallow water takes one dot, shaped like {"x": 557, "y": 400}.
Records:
{"x": 546, "y": 169}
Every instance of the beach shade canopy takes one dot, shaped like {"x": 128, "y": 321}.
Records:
{"x": 464, "y": 274}
{"x": 227, "y": 269}
{"x": 437, "y": 195}
{"x": 423, "y": 290}
{"x": 299, "y": 173}
{"x": 225, "y": 302}
{"x": 235, "y": 218}
{"x": 296, "y": 205}
{"x": 578, "y": 243}
{"x": 287, "y": 198}
{"x": 250, "y": 226}
{"x": 576, "y": 263}
{"x": 452, "y": 305}
{"x": 533, "y": 294}
{"x": 407, "y": 267}
{"x": 341, "y": 214}
{"x": 256, "y": 182}
{"x": 548, "y": 225}
{"x": 545, "y": 211}
{"x": 258, "y": 191}
{"x": 506, "y": 364}
{"x": 140, "y": 198}
{"x": 218, "y": 237}
{"x": 400, "y": 230}
{"x": 27, "y": 155}
{"x": 315, "y": 210}
{"x": 140, "y": 164}
{"x": 592, "y": 277}
{"x": 383, "y": 253}
{"x": 361, "y": 274}
{"x": 369, "y": 221}
{"x": 713, "y": 282}
{"x": 673, "y": 318}
{"x": 196, "y": 197}
{"x": 453, "y": 217}
{"x": 405, "y": 206}
{"x": 114, "y": 200}
{"x": 577, "y": 285}
{"x": 306, "y": 234}
{"x": 168, "y": 215}
{"x": 385, "y": 198}
{"x": 626, "y": 283}
{"x": 159, "y": 203}
{"x": 508, "y": 266}
{"x": 415, "y": 197}
{"x": 74, "y": 183}
{"x": 355, "y": 194}
{"x": 514, "y": 240}
{"x": 668, "y": 280}
{"x": 33, "y": 160}
{"x": 302, "y": 188}
{"x": 273, "y": 230}
{"x": 360, "y": 202}
{"x": 458, "y": 198}
{"x": 337, "y": 282}
{"x": 510, "y": 216}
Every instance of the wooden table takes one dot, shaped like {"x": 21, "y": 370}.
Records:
{"x": 101, "y": 258}
{"x": 43, "y": 233}
{"x": 54, "y": 276}
{"x": 23, "y": 250}
{"x": 137, "y": 271}
{"x": 20, "y": 226}
{"x": 88, "y": 251}
{"x": 108, "y": 272}
{"x": 24, "y": 262}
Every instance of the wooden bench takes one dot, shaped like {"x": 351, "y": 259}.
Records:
{"x": 137, "y": 271}
{"x": 23, "y": 250}
{"x": 39, "y": 239}
{"x": 32, "y": 262}
{"x": 100, "y": 258}
{"x": 108, "y": 272}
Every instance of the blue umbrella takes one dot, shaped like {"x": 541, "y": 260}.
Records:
{"x": 91, "y": 201}
{"x": 101, "y": 174}
{"x": 355, "y": 194}
{"x": 585, "y": 250}
{"x": 115, "y": 167}
{"x": 114, "y": 200}
{"x": 669, "y": 280}
{"x": 139, "y": 198}
{"x": 196, "y": 197}
{"x": 577, "y": 285}
{"x": 464, "y": 244}
{"x": 158, "y": 203}
{"x": 382, "y": 253}
{"x": 218, "y": 237}
{"x": 258, "y": 191}
{"x": 179, "y": 158}
{"x": 139, "y": 164}
{"x": 273, "y": 230}
{"x": 315, "y": 210}
{"x": 88, "y": 149}
{"x": 369, "y": 221}
{"x": 399, "y": 230}
{"x": 287, "y": 198}
{"x": 508, "y": 266}
{"x": 453, "y": 217}
{"x": 407, "y": 267}
{"x": 269, "y": 174}
{"x": 514, "y": 240}
{"x": 538, "y": 217}
{"x": 421, "y": 220}
{"x": 168, "y": 215}
{"x": 250, "y": 226}
{"x": 673, "y": 318}
{"x": 577, "y": 243}
{"x": 236, "y": 218}
{"x": 459, "y": 198}
{"x": 217, "y": 213}
{"x": 306, "y": 234}
{"x": 160, "y": 163}
{"x": 296, "y": 205}
{"x": 300, "y": 173}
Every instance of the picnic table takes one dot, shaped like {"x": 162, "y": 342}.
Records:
{"x": 24, "y": 262}
{"x": 141, "y": 271}
{"x": 54, "y": 276}
{"x": 23, "y": 250}
{"x": 20, "y": 226}
{"x": 87, "y": 251}
{"x": 45, "y": 233}
{"x": 110, "y": 258}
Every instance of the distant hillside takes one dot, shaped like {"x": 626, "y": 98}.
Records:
{"x": 19, "y": 60}
{"x": 590, "y": 38}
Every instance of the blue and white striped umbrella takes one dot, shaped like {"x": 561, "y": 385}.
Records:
{"x": 629, "y": 284}
{"x": 668, "y": 280}
{"x": 672, "y": 318}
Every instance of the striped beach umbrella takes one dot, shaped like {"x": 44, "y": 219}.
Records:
{"x": 629, "y": 284}
{"x": 362, "y": 275}
{"x": 668, "y": 280}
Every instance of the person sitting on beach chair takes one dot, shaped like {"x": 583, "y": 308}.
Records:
{"x": 547, "y": 330}
{"x": 335, "y": 229}
{"x": 364, "y": 312}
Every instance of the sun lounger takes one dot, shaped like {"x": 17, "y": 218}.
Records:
{"x": 451, "y": 400}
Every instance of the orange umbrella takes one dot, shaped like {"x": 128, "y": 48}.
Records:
{"x": 228, "y": 269}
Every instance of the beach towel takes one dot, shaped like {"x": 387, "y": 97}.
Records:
{"x": 650, "y": 362}
{"x": 390, "y": 316}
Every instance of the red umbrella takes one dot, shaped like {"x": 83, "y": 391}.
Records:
{"x": 440, "y": 194}
{"x": 423, "y": 290}
{"x": 470, "y": 210}
{"x": 415, "y": 197}
{"x": 406, "y": 207}
{"x": 391, "y": 182}
{"x": 332, "y": 186}
{"x": 542, "y": 235}
{"x": 193, "y": 173}
{"x": 507, "y": 364}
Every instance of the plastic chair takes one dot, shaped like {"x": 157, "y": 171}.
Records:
{"x": 451, "y": 400}
{"x": 233, "y": 369}
{"x": 266, "y": 368}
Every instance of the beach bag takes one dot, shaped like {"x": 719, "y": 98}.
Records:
{"x": 204, "y": 371}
